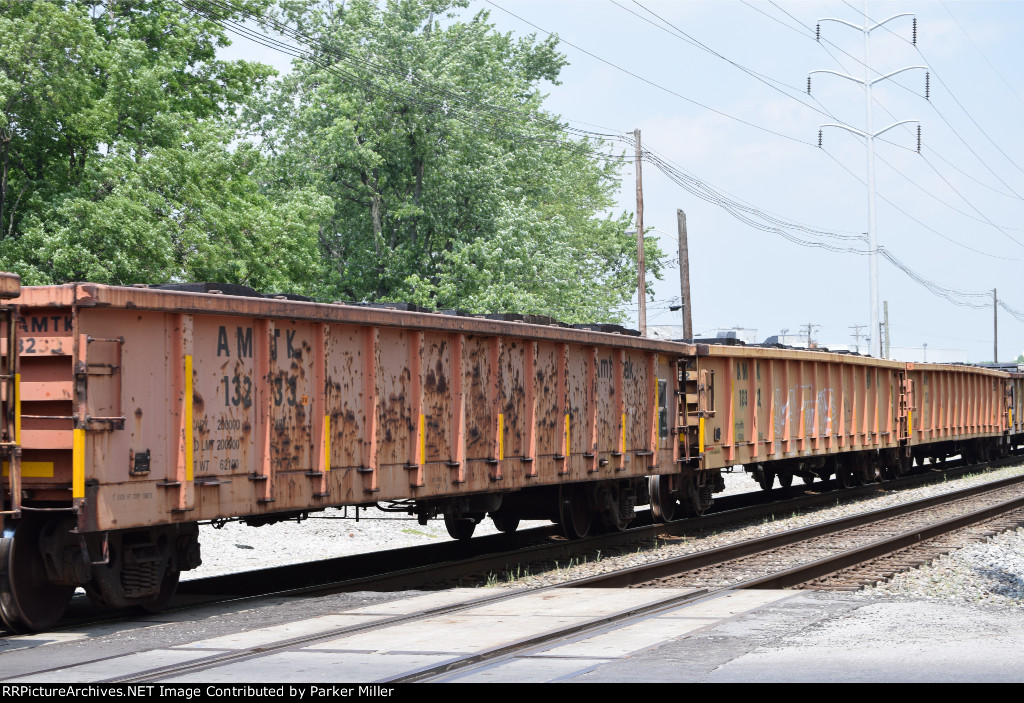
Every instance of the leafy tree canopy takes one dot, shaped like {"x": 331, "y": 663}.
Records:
{"x": 451, "y": 186}
{"x": 115, "y": 151}
{"x": 409, "y": 158}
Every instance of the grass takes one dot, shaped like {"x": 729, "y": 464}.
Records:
{"x": 418, "y": 533}
{"x": 493, "y": 579}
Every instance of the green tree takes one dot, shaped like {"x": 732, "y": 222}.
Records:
{"x": 118, "y": 153}
{"x": 451, "y": 186}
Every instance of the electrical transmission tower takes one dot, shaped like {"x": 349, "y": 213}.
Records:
{"x": 857, "y": 335}
{"x": 810, "y": 327}
{"x": 869, "y": 135}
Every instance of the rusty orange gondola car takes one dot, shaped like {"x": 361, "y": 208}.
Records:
{"x": 130, "y": 414}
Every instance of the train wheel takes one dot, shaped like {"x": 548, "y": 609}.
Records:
{"x": 28, "y": 602}
{"x": 504, "y": 523}
{"x": 766, "y": 477}
{"x": 785, "y": 479}
{"x": 573, "y": 514}
{"x": 460, "y": 528}
{"x": 664, "y": 506}
{"x": 808, "y": 479}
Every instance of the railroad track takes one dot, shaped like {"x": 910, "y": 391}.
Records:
{"x": 793, "y": 558}
{"x": 850, "y": 552}
{"x": 499, "y": 557}
{"x": 757, "y": 564}
{"x": 502, "y": 556}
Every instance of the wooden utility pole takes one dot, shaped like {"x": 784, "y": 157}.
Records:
{"x": 995, "y": 327}
{"x": 684, "y": 276}
{"x": 641, "y": 273}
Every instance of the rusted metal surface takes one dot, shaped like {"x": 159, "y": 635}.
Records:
{"x": 772, "y": 404}
{"x": 956, "y": 402}
{"x": 158, "y": 406}
{"x": 10, "y": 285}
{"x": 161, "y": 406}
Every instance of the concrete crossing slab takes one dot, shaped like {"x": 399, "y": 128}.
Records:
{"x": 453, "y": 634}
{"x": 277, "y": 633}
{"x": 530, "y": 671}
{"x": 433, "y": 599}
{"x": 320, "y": 667}
{"x": 731, "y": 604}
{"x": 581, "y": 602}
{"x": 623, "y": 641}
{"x": 113, "y": 667}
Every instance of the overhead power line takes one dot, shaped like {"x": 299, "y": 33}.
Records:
{"x": 983, "y": 55}
{"x": 650, "y": 82}
{"x": 964, "y": 110}
{"x": 825, "y": 43}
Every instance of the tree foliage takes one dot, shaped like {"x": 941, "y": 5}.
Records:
{"x": 409, "y": 158}
{"x": 116, "y": 158}
{"x": 451, "y": 186}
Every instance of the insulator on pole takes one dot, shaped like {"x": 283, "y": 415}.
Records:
{"x": 927, "y": 85}
{"x": 919, "y": 139}
{"x": 914, "y": 41}
{"x": 818, "y": 32}
{"x": 819, "y": 138}
{"x": 808, "y": 85}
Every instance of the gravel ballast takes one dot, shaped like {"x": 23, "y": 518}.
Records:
{"x": 987, "y": 573}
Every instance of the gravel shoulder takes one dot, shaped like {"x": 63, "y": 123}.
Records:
{"x": 989, "y": 573}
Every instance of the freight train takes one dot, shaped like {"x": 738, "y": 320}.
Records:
{"x": 130, "y": 414}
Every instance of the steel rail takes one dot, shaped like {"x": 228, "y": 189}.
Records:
{"x": 430, "y": 564}
{"x": 720, "y": 555}
{"x": 221, "y": 659}
{"x": 787, "y": 577}
{"x": 780, "y": 580}
{"x": 859, "y": 555}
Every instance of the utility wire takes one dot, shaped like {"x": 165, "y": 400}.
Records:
{"x": 983, "y": 55}
{"x": 648, "y": 81}
{"x": 983, "y": 217}
{"x": 750, "y": 215}
{"x": 692, "y": 41}
{"x": 346, "y": 66}
{"x": 962, "y": 108}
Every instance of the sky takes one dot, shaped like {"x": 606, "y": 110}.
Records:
{"x": 735, "y": 119}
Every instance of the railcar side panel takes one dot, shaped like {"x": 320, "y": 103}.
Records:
{"x": 156, "y": 407}
{"x": 770, "y": 404}
{"x": 956, "y": 402}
